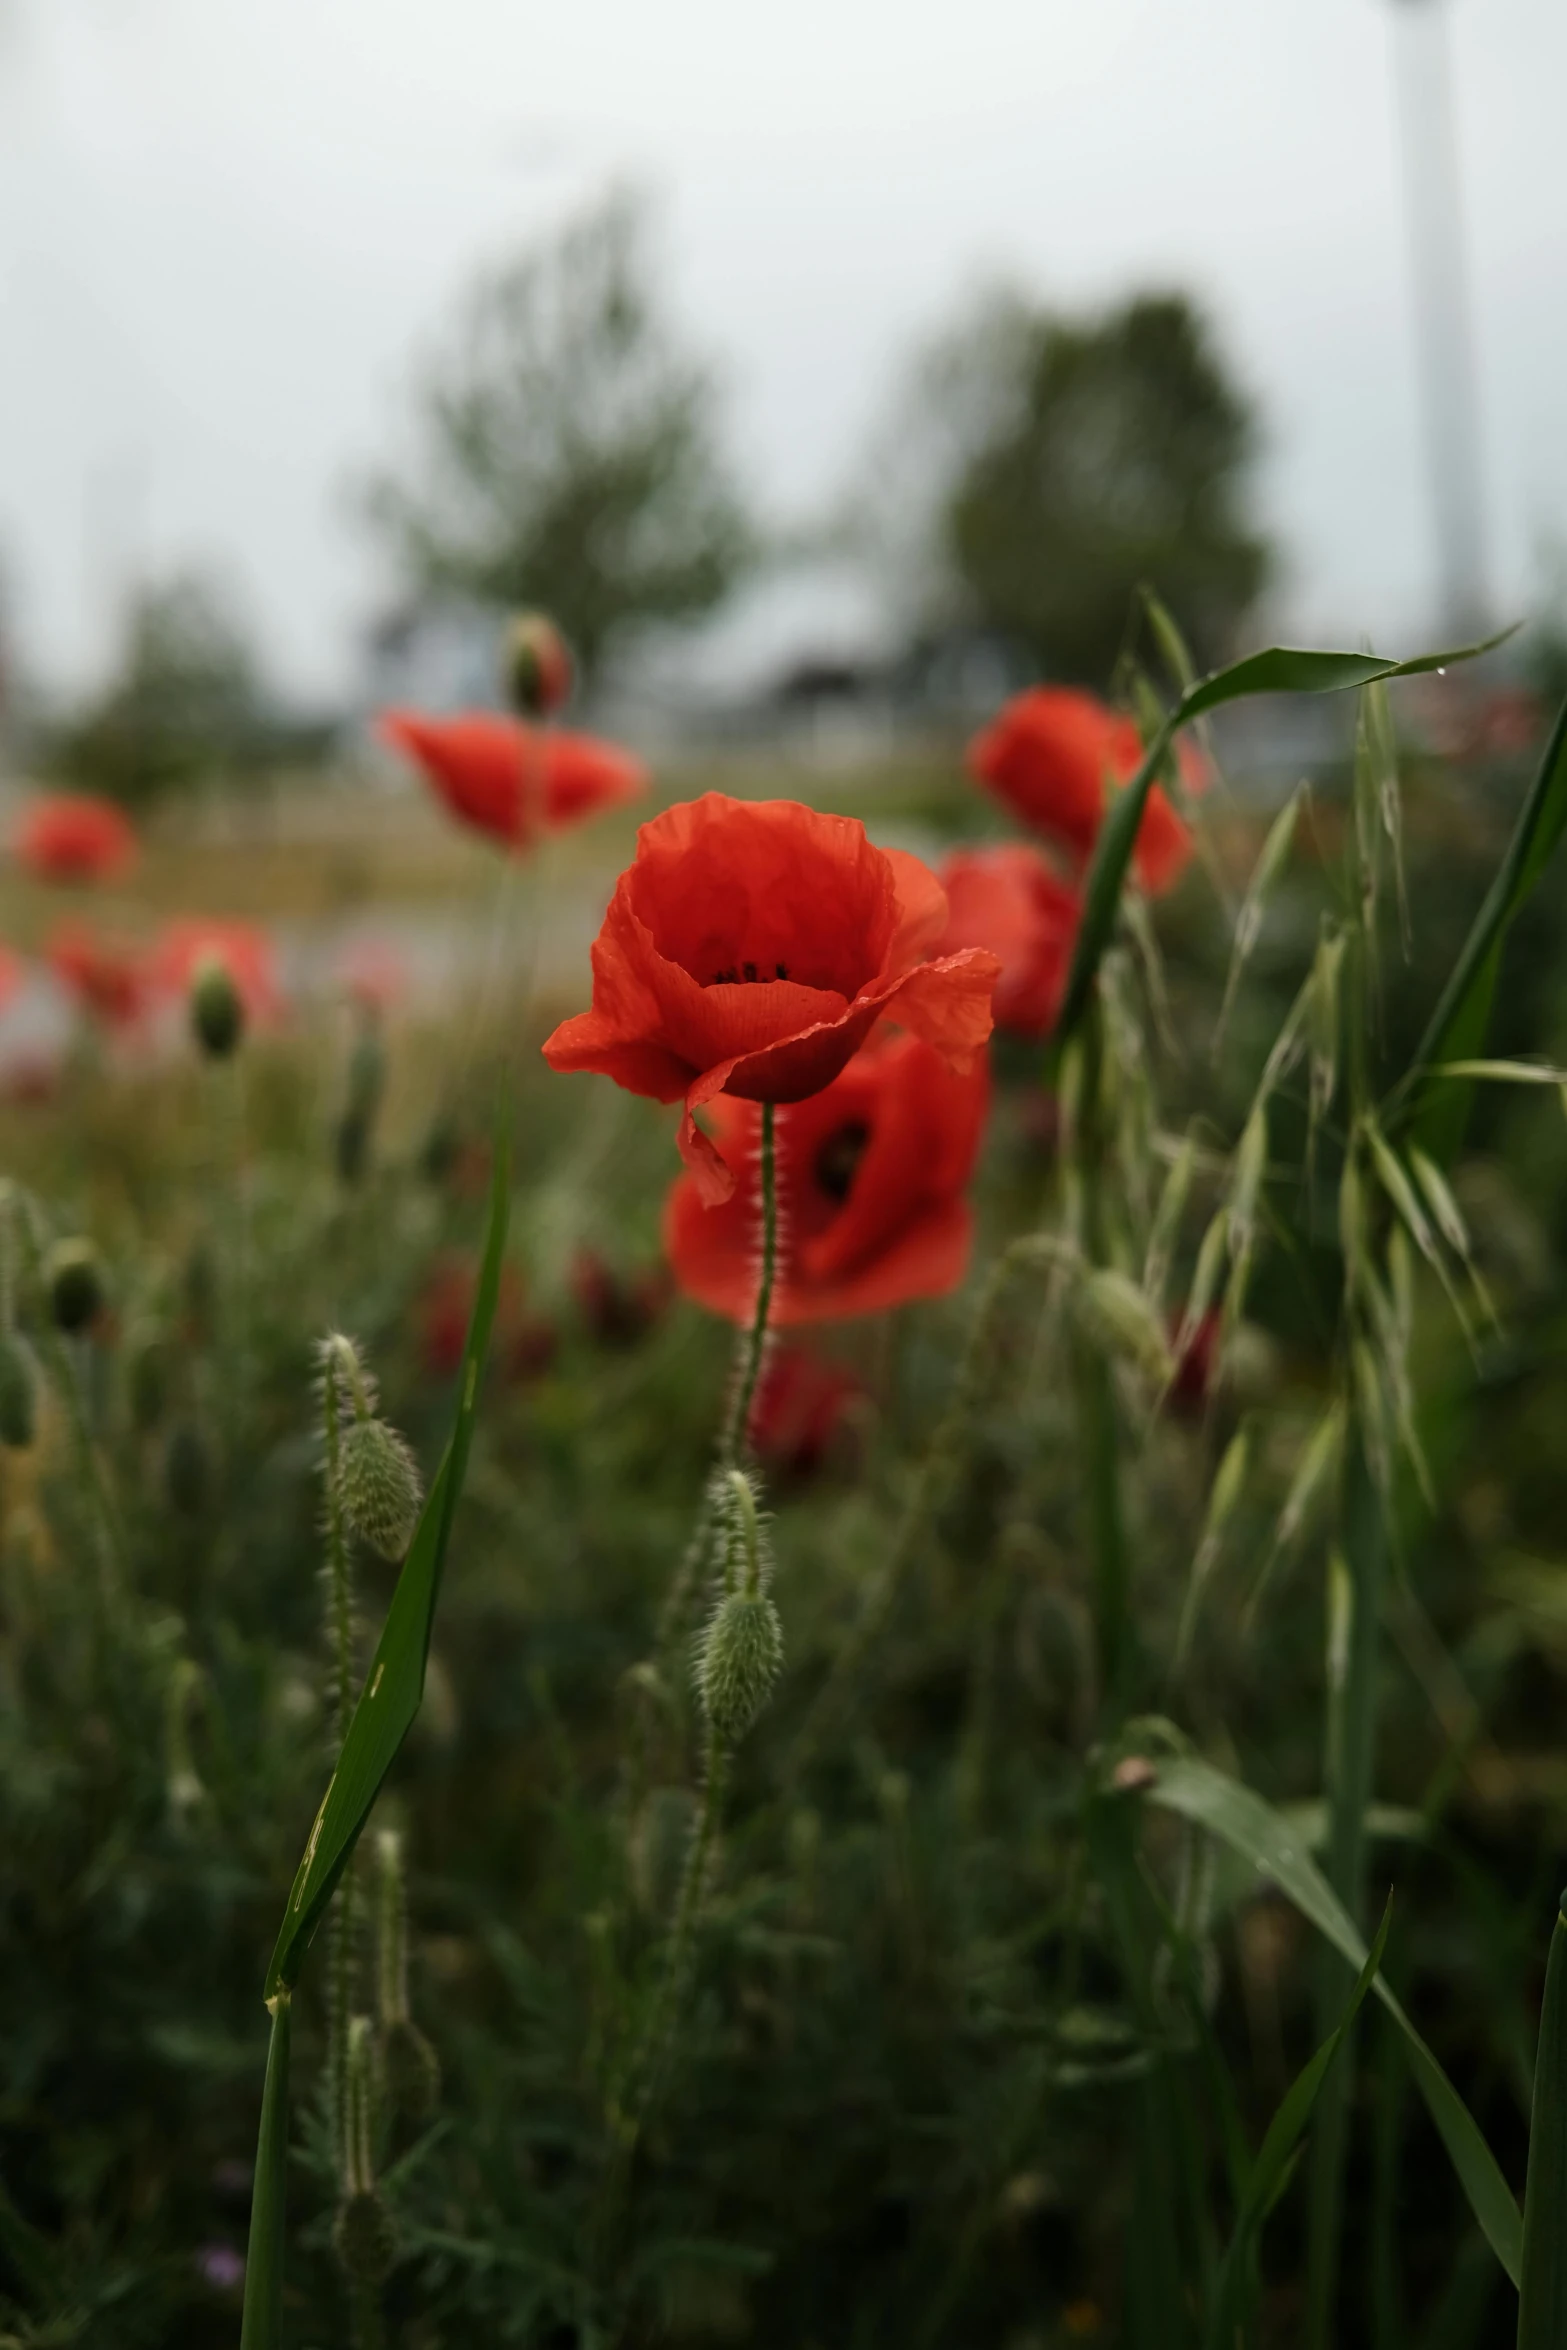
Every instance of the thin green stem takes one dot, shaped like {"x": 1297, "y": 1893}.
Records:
{"x": 754, "y": 1346}
{"x": 1351, "y": 1741}
{"x": 344, "y": 1923}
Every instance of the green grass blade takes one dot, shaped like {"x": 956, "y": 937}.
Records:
{"x": 1542, "y": 2300}
{"x": 261, "y": 2326}
{"x": 394, "y": 1685}
{"x": 1281, "y": 669}
{"x": 1252, "y": 1828}
{"x": 1456, "y": 1030}
{"x": 1276, "y": 2156}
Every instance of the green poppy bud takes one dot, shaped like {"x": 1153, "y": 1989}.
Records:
{"x": 18, "y": 1392}
{"x": 74, "y": 1276}
{"x": 362, "y": 2237}
{"x": 740, "y": 1658}
{"x": 538, "y": 665}
{"x": 217, "y": 1009}
{"x": 379, "y": 1484}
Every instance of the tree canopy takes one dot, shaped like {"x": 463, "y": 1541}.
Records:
{"x": 569, "y": 451}
{"x": 1070, "y": 461}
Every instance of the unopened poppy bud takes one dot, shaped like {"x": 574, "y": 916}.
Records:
{"x": 75, "y": 1280}
{"x": 740, "y": 1659}
{"x": 379, "y": 1483}
{"x": 18, "y": 1392}
{"x": 538, "y": 665}
{"x": 412, "y": 2070}
{"x": 217, "y": 1009}
{"x": 362, "y": 2237}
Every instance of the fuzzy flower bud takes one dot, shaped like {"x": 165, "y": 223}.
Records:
{"x": 217, "y": 1009}
{"x": 75, "y": 1280}
{"x": 18, "y": 1392}
{"x": 538, "y": 665}
{"x": 379, "y": 1485}
{"x": 738, "y": 1663}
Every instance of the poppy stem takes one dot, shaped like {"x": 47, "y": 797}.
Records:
{"x": 343, "y": 1921}
{"x": 749, "y": 1369}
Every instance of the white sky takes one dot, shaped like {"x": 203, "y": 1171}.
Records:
{"x": 226, "y": 226}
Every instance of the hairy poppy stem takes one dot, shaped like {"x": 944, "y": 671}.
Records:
{"x": 340, "y": 1955}
{"x": 737, "y": 1428}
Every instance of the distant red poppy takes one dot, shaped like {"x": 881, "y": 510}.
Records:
{"x": 871, "y": 1175}
{"x": 245, "y": 952}
{"x": 1007, "y": 899}
{"x": 513, "y": 781}
{"x": 801, "y": 1410}
{"x": 1195, "y": 1362}
{"x": 522, "y": 1344}
{"x": 71, "y": 836}
{"x": 618, "y": 1308}
{"x": 750, "y": 949}
{"x": 12, "y": 973}
{"x": 106, "y": 975}
{"x": 1050, "y": 755}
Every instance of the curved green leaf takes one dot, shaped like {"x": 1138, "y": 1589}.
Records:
{"x": 1456, "y": 1030}
{"x": 1542, "y": 2298}
{"x": 394, "y": 1685}
{"x": 1281, "y": 669}
{"x": 1241, "y": 1819}
{"x": 261, "y": 2325}
{"x": 1275, "y": 2161}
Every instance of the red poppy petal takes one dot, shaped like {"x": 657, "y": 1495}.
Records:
{"x": 1163, "y": 846}
{"x": 948, "y": 1004}
{"x": 921, "y": 910}
{"x": 710, "y": 1171}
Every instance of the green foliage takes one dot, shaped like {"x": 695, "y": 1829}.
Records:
{"x": 184, "y": 707}
{"x": 1093, "y": 457}
{"x": 570, "y": 449}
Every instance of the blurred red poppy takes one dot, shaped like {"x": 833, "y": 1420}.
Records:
{"x": 803, "y": 1406}
{"x": 245, "y": 952}
{"x": 513, "y": 781}
{"x": 1007, "y": 899}
{"x": 522, "y": 1344}
{"x": 106, "y": 975}
{"x": 618, "y": 1308}
{"x": 871, "y": 1174}
{"x": 71, "y": 836}
{"x": 750, "y": 949}
{"x": 1052, "y": 753}
{"x": 1195, "y": 1362}
{"x": 12, "y": 973}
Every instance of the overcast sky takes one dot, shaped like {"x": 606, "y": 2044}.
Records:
{"x": 228, "y": 226}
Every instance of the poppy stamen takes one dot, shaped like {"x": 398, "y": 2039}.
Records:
{"x": 838, "y": 1160}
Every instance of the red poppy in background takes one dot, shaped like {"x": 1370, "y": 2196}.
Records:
{"x": 245, "y": 952}
{"x": 523, "y": 1344}
{"x": 513, "y": 781}
{"x": 12, "y": 973}
{"x": 871, "y": 1175}
{"x": 618, "y": 1308}
{"x": 750, "y": 949}
{"x": 71, "y": 836}
{"x": 1008, "y": 899}
{"x": 1050, "y": 755}
{"x": 803, "y": 1406}
{"x": 107, "y": 976}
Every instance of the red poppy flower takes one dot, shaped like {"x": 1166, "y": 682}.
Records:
{"x": 107, "y": 976}
{"x": 1008, "y": 899}
{"x": 71, "y": 836}
{"x": 802, "y": 1407}
{"x": 871, "y": 1174}
{"x": 1050, "y": 755}
{"x": 12, "y": 973}
{"x": 511, "y": 780}
{"x": 244, "y": 951}
{"x": 751, "y": 948}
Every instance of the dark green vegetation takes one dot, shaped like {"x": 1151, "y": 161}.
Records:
{"x": 992, "y": 2024}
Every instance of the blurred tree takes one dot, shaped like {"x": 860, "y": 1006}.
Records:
{"x": 1069, "y": 461}
{"x": 570, "y": 449}
{"x": 185, "y": 703}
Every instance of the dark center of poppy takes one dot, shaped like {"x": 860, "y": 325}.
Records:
{"x": 838, "y": 1160}
{"x": 748, "y": 975}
